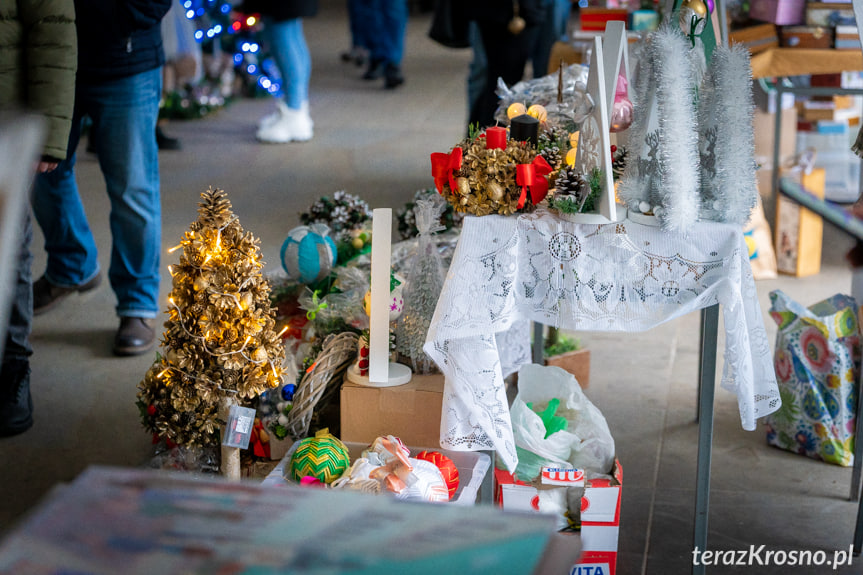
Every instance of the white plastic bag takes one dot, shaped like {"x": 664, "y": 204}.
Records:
{"x": 586, "y": 443}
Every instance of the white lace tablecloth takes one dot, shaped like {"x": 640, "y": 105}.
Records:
{"x": 626, "y": 276}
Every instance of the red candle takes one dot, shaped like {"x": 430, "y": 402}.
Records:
{"x": 495, "y": 138}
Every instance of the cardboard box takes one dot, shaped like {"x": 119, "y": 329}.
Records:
{"x": 829, "y": 14}
{"x": 757, "y": 38}
{"x": 799, "y": 231}
{"x": 763, "y": 124}
{"x": 809, "y": 37}
{"x": 644, "y": 20}
{"x": 781, "y": 12}
{"x": 600, "y": 516}
{"x": 410, "y": 411}
{"x": 846, "y": 38}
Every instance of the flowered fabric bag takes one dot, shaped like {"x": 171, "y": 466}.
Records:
{"x": 817, "y": 363}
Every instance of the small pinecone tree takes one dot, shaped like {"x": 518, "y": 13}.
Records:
{"x": 219, "y": 339}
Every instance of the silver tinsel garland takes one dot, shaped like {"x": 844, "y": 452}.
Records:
{"x": 678, "y": 142}
{"x": 727, "y": 142}
{"x": 663, "y": 173}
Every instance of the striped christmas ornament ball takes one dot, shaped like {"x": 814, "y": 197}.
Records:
{"x": 323, "y": 456}
{"x": 308, "y": 253}
{"x": 448, "y": 469}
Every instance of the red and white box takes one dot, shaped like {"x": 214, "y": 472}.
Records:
{"x": 600, "y": 512}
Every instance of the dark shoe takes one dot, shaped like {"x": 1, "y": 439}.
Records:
{"x": 16, "y": 404}
{"x": 375, "y": 70}
{"x": 136, "y": 335}
{"x": 46, "y": 295}
{"x": 166, "y": 142}
{"x": 393, "y": 77}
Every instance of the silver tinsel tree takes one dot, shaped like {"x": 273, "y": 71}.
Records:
{"x": 424, "y": 284}
{"x": 727, "y": 142}
{"x": 663, "y": 173}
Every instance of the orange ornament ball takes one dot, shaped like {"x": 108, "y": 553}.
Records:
{"x": 447, "y": 468}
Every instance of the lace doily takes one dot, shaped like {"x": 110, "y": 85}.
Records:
{"x": 625, "y": 276}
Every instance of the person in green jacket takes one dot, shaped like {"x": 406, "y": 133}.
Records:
{"x": 38, "y": 62}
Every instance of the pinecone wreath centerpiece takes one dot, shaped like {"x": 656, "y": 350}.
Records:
{"x": 219, "y": 345}
{"x": 491, "y": 174}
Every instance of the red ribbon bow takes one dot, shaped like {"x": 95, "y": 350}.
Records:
{"x": 443, "y": 168}
{"x": 532, "y": 176}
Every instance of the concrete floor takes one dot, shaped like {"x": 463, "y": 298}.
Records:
{"x": 376, "y": 143}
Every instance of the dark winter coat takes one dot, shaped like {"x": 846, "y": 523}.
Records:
{"x": 38, "y": 55}
{"x": 280, "y": 10}
{"x": 119, "y": 38}
{"x": 501, "y": 11}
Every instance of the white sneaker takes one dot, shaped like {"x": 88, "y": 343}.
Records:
{"x": 291, "y": 126}
{"x": 281, "y": 110}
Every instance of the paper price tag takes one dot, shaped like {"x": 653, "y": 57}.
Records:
{"x": 238, "y": 430}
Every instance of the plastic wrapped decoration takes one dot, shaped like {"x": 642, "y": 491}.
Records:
{"x": 565, "y": 112}
{"x": 385, "y": 467}
{"x": 424, "y": 284}
{"x": 308, "y": 253}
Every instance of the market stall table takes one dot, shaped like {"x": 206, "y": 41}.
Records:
{"x": 625, "y": 276}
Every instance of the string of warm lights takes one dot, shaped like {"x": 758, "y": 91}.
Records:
{"x": 208, "y": 380}
{"x": 203, "y": 339}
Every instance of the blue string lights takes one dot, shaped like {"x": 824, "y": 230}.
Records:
{"x": 214, "y": 19}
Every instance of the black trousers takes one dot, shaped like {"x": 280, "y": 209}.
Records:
{"x": 507, "y": 55}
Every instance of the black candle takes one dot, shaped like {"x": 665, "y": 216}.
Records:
{"x": 524, "y": 128}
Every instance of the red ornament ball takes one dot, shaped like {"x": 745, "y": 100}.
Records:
{"x": 446, "y": 466}
{"x": 613, "y": 148}
{"x": 151, "y": 410}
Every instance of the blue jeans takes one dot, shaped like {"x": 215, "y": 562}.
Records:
{"x": 21, "y": 310}
{"x": 124, "y": 113}
{"x": 388, "y": 20}
{"x": 358, "y": 19}
{"x": 288, "y": 45}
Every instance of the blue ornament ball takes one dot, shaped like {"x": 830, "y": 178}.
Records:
{"x": 288, "y": 392}
{"x": 309, "y": 253}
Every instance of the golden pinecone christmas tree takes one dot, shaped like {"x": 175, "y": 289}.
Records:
{"x": 219, "y": 339}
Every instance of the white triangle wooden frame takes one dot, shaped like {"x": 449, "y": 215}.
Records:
{"x": 594, "y": 143}
{"x": 615, "y": 59}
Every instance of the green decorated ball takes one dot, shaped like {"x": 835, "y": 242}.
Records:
{"x": 323, "y": 456}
